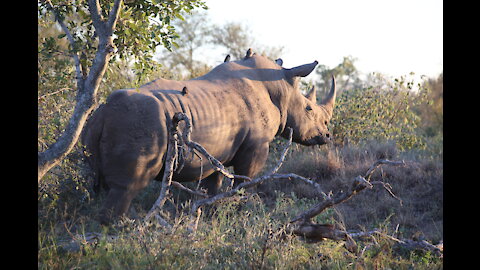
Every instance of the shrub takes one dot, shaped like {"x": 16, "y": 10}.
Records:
{"x": 380, "y": 113}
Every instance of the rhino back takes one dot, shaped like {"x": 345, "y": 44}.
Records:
{"x": 225, "y": 114}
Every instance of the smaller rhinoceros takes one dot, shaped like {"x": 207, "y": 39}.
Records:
{"x": 236, "y": 110}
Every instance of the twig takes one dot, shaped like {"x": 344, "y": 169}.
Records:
{"x": 249, "y": 183}
{"x": 217, "y": 165}
{"x": 379, "y": 162}
{"x": 78, "y": 67}
{"x": 284, "y": 153}
{"x": 184, "y": 188}
{"x": 405, "y": 243}
{"x": 359, "y": 184}
{"x": 388, "y": 188}
{"x": 53, "y": 93}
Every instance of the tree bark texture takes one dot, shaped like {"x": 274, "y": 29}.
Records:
{"x": 87, "y": 86}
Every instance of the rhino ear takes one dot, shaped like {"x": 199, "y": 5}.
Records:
{"x": 301, "y": 71}
{"x": 279, "y": 61}
{"x": 312, "y": 94}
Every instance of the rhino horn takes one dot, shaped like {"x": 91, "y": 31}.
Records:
{"x": 329, "y": 100}
{"x": 301, "y": 71}
{"x": 312, "y": 94}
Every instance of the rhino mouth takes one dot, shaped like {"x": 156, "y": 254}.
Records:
{"x": 317, "y": 140}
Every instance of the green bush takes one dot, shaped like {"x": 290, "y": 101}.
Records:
{"x": 383, "y": 113}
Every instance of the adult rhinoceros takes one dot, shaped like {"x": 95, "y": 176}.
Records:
{"x": 236, "y": 110}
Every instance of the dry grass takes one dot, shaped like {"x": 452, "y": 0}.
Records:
{"x": 241, "y": 234}
{"x": 419, "y": 185}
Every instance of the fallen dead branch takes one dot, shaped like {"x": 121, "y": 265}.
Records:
{"x": 186, "y": 189}
{"x": 409, "y": 244}
{"x": 253, "y": 182}
{"x": 303, "y": 225}
{"x": 172, "y": 155}
{"x": 359, "y": 184}
{"x": 217, "y": 165}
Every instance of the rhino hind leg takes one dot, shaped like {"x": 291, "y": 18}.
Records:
{"x": 212, "y": 183}
{"x": 125, "y": 179}
{"x": 116, "y": 204}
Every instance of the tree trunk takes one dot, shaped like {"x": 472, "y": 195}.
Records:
{"x": 86, "y": 99}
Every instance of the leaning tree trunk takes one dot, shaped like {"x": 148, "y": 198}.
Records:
{"x": 87, "y": 85}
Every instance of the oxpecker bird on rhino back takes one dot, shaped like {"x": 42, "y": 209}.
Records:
{"x": 235, "y": 110}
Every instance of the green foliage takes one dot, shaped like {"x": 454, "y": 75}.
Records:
{"x": 347, "y": 76}
{"x": 142, "y": 26}
{"x": 432, "y": 113}
{"x": 56, "y": 74}
{"x": 380, "y": 113}
{"x": 235, "y": 234}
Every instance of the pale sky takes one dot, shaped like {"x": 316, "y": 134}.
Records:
{"x": 394, "y": 37}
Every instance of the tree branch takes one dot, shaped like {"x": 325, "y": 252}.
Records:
{"x": 97, "y": 18}
{"x": 218, "y": 166}
{"x": 359, "y": 184}
{"x": 172, "y": 155}
{"x": 86, "y": 93}
{"x": 193, "y": 192}
{"x": 306, "y": 229}
{"x": 76, "y": 59}
{"x": 405, "y": 243}
{"x": 248, "y": 184}
{"x": 284, "y": 152}
{"x": 113, "y": 15}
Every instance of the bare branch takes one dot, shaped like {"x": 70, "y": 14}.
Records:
{"x": 53, "y": 93}
{"x": 405, "y": 243}
{"x": 172, "y": 154}
{"x": 218, "y": 166}
{"x": 193, "y": 192}
{"x": 379, "y": 162}
{"x": 306, "y": 228}
{"x": 284, "y": 153}
{"x": 76, "y": 59}
{"x": 359, "y": 184}
{"x": 388, "y": 188}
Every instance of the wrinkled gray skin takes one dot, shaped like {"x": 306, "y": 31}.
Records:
{"x": 236, "y": 110}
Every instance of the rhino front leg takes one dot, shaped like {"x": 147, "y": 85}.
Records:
{"x": 212, "y": 183}
{"x": 249, "y": 161}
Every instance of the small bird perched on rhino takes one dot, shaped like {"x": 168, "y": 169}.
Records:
{"x": 236, "y": 110}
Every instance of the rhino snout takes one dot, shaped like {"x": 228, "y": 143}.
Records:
{"x": 323, "y": 138}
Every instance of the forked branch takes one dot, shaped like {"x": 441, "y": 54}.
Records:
{"x": 304, "y": 226}
{"x": 359, "y": 184}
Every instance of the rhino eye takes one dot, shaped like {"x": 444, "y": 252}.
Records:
{"x": 308, "y": 108}
{"x": 326, "y": 123}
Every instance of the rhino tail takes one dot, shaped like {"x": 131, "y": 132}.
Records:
{"x": 90, "y": 139}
